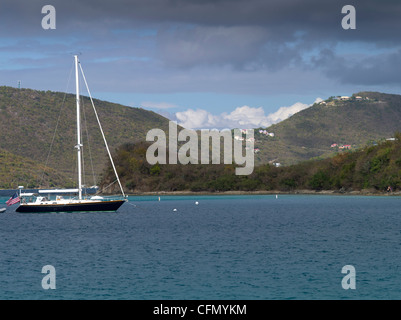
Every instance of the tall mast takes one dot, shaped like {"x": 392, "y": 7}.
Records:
{"x": 79, "y": 145}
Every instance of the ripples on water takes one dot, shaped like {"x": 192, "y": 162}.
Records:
{"x": 227, "y": 247}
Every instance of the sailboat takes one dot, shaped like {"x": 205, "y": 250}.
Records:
{"x": 72, "y": 200}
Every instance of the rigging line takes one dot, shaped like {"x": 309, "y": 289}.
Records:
{"x": 55, "y": 130}
{"x": 82, "y": 152}
{"x": 83, "y": 166}
{"x": 103, "y": 189}
{"x": 89, "y": 145}
{"x": 75, "y": 169}
{"x": 101, "y": 130}
{"x": 140, "y": 207}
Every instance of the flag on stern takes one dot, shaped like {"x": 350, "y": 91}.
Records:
{"x": 13, "y": 200}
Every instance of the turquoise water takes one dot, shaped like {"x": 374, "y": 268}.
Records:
{"x": 226, "y": 247}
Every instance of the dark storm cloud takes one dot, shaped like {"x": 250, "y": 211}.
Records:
{"x": 173, "y": 36}
{"x": 243, "y": 47}
{"x": 382, "y": 68}
{"x": 377, "y": 20}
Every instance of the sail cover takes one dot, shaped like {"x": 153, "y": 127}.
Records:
{"x": 59, "y": 191}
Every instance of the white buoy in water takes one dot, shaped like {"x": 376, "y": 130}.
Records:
{"x": 276, "y": 196}
{"x": 174, "y": 209}
{"x": 196, "y": 202}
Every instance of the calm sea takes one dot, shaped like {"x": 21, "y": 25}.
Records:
{"x": 226, "y": 247}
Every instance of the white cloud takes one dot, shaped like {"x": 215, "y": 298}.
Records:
{"x": 286, "y": 112}
{"x": 241, "y": 117}
{"x": 247, "y": 117}
{"x": 197, "y": 119}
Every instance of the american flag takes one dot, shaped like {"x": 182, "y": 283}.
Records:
{"x": 13, "y": 200}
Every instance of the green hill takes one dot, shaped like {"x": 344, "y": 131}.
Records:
{"x": 17, "y": 170}
{"x": 372, "y": 169}
{"x": 28, "y": 119}
{"x": 310, "y": 133}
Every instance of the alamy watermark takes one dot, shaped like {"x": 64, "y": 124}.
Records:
{"x": 349, "y": 280}
{"x": 49, "y": 20}
{"x": 188, "y": 153}
{"x": 49, "y": 280}
{"x": 348, "y": 21}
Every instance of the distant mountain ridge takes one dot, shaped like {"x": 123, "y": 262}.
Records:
{"x": 28, "y": 119}
{"x": 361, "y": 119}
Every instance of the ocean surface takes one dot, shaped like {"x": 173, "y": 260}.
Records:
{"x": 224, "y": 247}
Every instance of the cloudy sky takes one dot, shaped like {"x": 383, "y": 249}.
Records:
{"x": 205, "y": 63}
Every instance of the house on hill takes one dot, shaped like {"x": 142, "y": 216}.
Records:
{"x": 266, "y": 133}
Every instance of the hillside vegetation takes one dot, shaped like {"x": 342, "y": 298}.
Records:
{"x": 374, "y": 168}
{"x": 17, "y": 170}
{"x": 28, "y": 119}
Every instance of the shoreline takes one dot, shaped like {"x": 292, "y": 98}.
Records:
{"x": 364, "y": 192}
{"x": 265, "y": 192}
